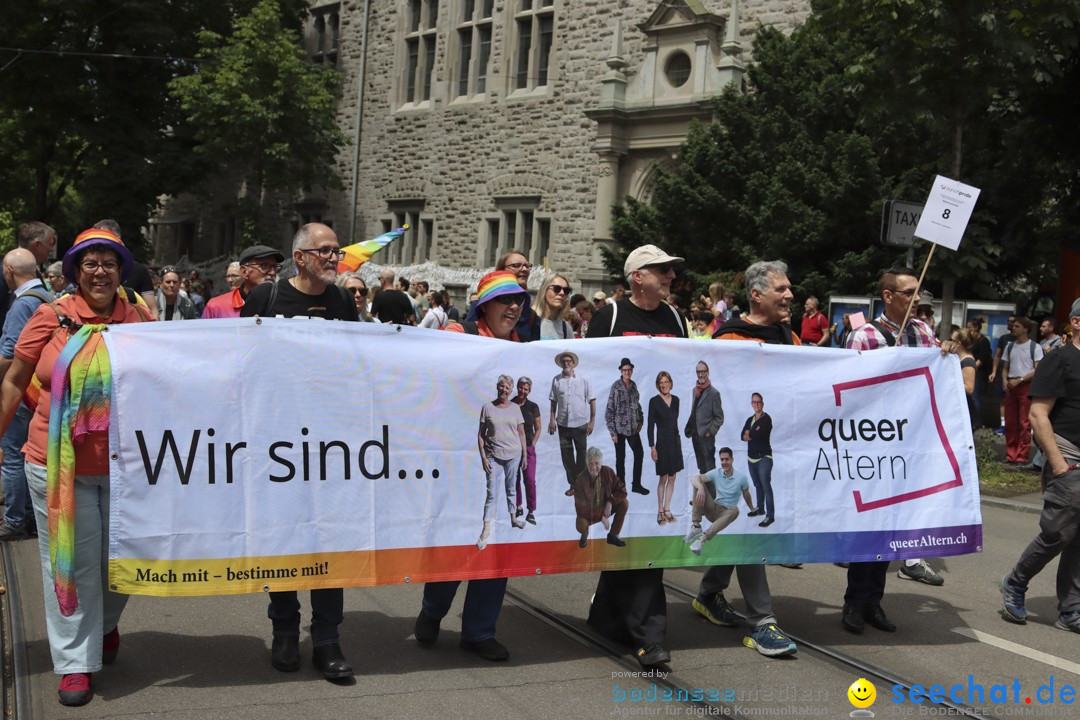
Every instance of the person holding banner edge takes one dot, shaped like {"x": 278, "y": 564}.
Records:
{"x": 630, "y": 605}
{"x": 69, "y": 481}
{"x": 499, "y": 304}
{"x": 866, "y": 580}
{"x": 311, "y": 293}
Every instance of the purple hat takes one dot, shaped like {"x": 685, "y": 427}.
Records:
{"x": 103, "y": 240}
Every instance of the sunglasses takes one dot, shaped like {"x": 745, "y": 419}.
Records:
{"x": 518, "y": 299}
{"x": 560, "y": 289}
{"x": 362, "y": 292}
{"x": 662, "y": 269}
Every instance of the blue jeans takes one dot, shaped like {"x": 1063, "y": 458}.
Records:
{"x": 75, "y": 641}
{"x": 18, "y": 507}
{"x": 761, "y": 474}
{"x": 483, "y": 602}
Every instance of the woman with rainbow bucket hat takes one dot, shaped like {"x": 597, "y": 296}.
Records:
{"x": 67, "y": 455}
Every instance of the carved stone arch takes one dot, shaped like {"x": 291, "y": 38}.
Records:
{"x": 521, "y": 184}
{"x": 643, "y": 184}
{"x": 408, "y": 188}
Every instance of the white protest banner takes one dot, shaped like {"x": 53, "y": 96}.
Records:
{"x": 286, "y": 454}
{"x": 947, "y": 212}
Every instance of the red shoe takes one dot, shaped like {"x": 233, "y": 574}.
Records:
{"x": 75, "y": 689}
{"x": 110, "y": 645}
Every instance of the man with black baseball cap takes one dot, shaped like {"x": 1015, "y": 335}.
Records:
{"x": 258, "y": 264}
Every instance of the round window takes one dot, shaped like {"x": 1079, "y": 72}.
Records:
{"x": 677, "y": 69}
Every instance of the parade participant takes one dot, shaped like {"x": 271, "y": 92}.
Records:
{"x": 54, "y": 277}
{"x": 716, "y": 497}
{"x": 1049, "y": 339}
{"x": 815, "y": 326}
{"x": 392, "y": 305}
{"x": 435, "y": 318}
{"x": 74, "y": 488}
{"x": 310, "y": 293}
{"x": 866, "y": 580}
{"x": 624, "y": 418}
{"x": 598, "y": 494}
{"x": 20, "y": 273}
{"x": 630, "y": 605}
{"x": 499, "y": 303}
{"x": 170, "y": 302}
{"x": 1055, "y": 416}
{"x": 552, "y": 308}
{"x": 39, "y": 239}
{"x": 233, "y": 278}
{"x": 258, "y": 264}
{"x": 517, "y": 263}
{"x": 1019, "y": 360}
{"x": 355, "y": 286}
{"x": 769, "y": 292}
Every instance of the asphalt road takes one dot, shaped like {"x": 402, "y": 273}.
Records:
{"x": 208, "y": 657}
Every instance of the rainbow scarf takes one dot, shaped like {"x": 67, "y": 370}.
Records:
{"x": 81, "y": 386}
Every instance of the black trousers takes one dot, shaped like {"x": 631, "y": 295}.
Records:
{"x": 866, "y": 582}
{"x": 630, "y": 606}
{"x": 620, "y": 457}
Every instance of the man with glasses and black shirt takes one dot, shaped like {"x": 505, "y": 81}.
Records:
{"x": 866, "y": 580}
{"x": 311, "y": 293}
{"x": 630, "y": 605}
{"x": 257, "y": 265}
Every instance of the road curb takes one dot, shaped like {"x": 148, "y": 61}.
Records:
{"x": 1006, "y": 504}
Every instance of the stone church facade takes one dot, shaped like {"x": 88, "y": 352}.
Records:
{"x": 487, "y": 125}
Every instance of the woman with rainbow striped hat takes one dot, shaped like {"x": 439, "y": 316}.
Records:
{"x": 499, "y": 303}
{"x": 67, "y": 455}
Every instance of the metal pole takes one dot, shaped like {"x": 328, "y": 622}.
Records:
{"x": 362, "y": 73}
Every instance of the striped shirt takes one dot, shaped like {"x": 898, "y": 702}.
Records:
{"x": 916, "y": 334}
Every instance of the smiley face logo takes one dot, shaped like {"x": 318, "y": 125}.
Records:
{"x": 862, "y": 693}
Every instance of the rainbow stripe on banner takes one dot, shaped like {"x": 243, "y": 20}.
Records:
{"x": 228, "y": 576}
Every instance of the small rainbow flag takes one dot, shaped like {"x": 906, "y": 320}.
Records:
{"x": 358, "y": 254}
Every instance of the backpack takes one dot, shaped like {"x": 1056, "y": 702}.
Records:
{"x": 1009, "y": 347}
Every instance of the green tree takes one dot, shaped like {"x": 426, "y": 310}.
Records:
{"x": 867, "y": 101}
{"x": 258, "y": 108}
{"x": 88, "y": 128}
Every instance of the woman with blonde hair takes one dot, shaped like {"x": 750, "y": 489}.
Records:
{"x": 552, "y": 306}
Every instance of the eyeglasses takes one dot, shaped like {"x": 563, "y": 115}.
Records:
{"x": 519, "y": 266}
{"x": 661, "y": 269}
{"x": 264, "y": 266}
{"x": 92, "y": 266}
{"x": 560, "y": 289}
{"x": 362, "y": 292}
{"x": 905, "y": 293}
{"x": 518, "y": 299}
{"x": 325, "y": 252}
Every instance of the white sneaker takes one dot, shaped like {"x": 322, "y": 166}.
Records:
{"x": 694, "y": 531}
{"x": 517, "y": 522}
{"x": 695, "y": 547}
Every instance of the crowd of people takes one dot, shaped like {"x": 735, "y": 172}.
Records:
{"x": 55, "y": 475}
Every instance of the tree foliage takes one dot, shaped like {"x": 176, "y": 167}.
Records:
{"x": 88, "y": 128}
{"x": 259, "y": 107}
{"x": 866, "y": 102}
